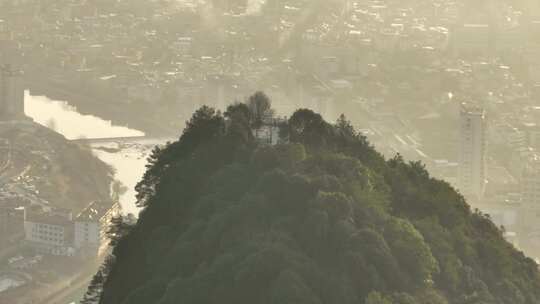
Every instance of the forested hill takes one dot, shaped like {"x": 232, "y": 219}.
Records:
{"x": 321, "y": 218}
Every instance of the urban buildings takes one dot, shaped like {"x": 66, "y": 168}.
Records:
{"x": 472, "y": 163}
{"x": 56, "y": 232}
{"x": 268, "y": 133}
{"x": 530, "y": 184}
{"x": 49, "y": 232}
{"x": 11, "y": 94}
{"x": 91, "y": 226}
{"x": 532, "y": 132}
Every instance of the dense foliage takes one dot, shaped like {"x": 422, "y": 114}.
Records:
{"x": 322, "y": 218}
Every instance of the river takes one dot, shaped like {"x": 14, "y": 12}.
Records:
{"x": 127, "y": 158}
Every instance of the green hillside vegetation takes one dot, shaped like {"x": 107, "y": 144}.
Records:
{"x": 322, "y": 218}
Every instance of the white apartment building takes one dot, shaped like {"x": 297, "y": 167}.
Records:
{"x": 56, "y": 232}
{"x": 49, "y": 232}
{"x": 91, "y": 226}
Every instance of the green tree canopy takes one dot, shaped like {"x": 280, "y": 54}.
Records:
{"x": 322, "y": 219}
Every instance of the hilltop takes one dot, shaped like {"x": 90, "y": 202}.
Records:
{"x": 320, "y": 217}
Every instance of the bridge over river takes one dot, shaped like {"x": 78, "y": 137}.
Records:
{"x": 131, "y": 147}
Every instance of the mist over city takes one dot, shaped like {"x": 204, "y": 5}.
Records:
{"x": 269, "y": 151}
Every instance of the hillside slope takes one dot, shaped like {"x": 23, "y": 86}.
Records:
{"x": 63, "y": 173}
{"x": 323, "y": 218}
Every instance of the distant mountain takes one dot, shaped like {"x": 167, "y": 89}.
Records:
{"x": 320, "y": 217}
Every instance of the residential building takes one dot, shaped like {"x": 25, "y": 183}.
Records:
{"x": 56, "y": 232}
{"x": 530, "y": 183}
{"x": 473, "y": 39}
{"x": 472, "y": 167}
{"x": 91, "y": 226}
{"x": 532, "y": 131}
{"x": 49, "y": 232}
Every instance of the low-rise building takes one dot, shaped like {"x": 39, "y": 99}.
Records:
{"x": 268, "y": 133}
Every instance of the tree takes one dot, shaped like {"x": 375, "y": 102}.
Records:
{"x": 117, "y": 189}
{"x": 410, "y": 249}
{"x": 95, "y": 288}
{"x": 205, "y": 124}
{"x": 93, "y": 293}
{"x": 119, "y": 227}
{"x": 375, "y": 297}
{"x": 239, "y": 119}
{"x": 323, "y": 219}
{"x": 308, "y": 128}
{"x": 146, "y": 187}
{"x": 260, "y": 107}
{"x": 345, "y": 127}
{"x": 289, "y": 287}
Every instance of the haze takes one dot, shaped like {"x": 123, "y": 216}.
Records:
{"x": 88, "y": 88}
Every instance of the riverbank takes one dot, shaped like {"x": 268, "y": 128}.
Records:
{"x": 42, "y": 169}
{"x": 46, "y": 168}
{"x": 107, "y": 104}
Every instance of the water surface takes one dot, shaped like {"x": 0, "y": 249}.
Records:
{"x": 127, "y": 158}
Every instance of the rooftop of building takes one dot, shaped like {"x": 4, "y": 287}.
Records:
{"x": 472, "y": 109}
{"x": 38, "y": 215}
{"x": 93, "y": 212}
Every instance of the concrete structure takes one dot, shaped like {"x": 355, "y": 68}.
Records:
{"x": 91, "y": 226}
{"x": 49, "y": 232}
{"x": 532, "y": 135}
{"x": 268, "y": 133}
{"x": 11, "y": 219}
{"x": 11, "y": 94}
{"x": 472, "y": 167}
{"x": 530, "y": 184}
{"x": 473, "y": 39}
{"x": 56, "y": 232}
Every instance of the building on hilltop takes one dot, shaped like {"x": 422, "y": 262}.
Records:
{"x": 472, "y": 152}
{"x": 268, "y": 132}
{"x": 11, "y": 94}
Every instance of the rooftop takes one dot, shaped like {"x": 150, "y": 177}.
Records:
{"x": 471, "y": 109}
{"x": 37, "y": 215}
{"x": 93, "y": 212}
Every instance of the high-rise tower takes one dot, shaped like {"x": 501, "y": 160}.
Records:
{"x": 11, "y": 94}
{"x": 472, "y": 167}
